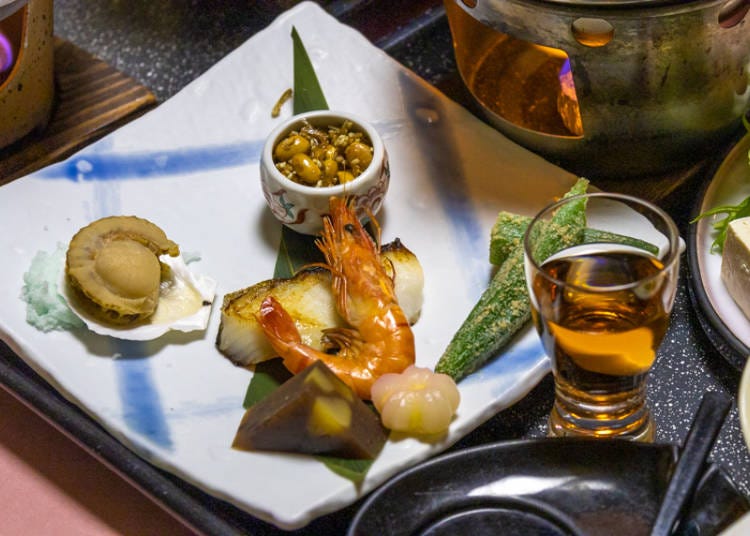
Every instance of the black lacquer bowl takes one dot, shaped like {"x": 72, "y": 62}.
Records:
{"x": 545, "y": 487}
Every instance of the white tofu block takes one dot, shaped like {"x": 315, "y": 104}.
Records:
{"x": 735, "y": 263}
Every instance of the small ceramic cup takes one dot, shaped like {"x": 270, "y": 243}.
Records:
{"x": 301, "y": 207}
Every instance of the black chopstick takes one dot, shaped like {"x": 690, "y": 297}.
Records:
{"x": 701, "y": 436}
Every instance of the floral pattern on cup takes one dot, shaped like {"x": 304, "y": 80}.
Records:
{"x": 302, "y": 208}
{"x": 292, "y": 215}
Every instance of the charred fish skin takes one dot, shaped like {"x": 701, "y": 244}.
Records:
{"x": 309, "y": 300}
{"x": 308, "y": 297}
{"x": 408, "y": 278}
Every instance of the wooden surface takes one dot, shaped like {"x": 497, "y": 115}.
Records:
{"x": 92, "y": 98}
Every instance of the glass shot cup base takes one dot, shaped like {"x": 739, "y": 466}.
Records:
{"x": 568, "y": 419}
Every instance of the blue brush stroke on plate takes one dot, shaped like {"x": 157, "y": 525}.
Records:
{"x": 435, "y": 137}
{"x": 428, "y": 113}
{"x": 107, "y": 166}
{"x": 142, "y": 409}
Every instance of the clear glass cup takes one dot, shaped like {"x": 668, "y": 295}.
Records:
{"x": 602, "y": 271}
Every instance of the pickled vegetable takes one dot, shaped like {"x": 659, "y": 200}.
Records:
{"x": 314, "y": 412}
{"x": 323, "y": 157}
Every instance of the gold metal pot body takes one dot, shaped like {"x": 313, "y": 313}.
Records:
{"x": 27, "y": 89}
{"x": 659, "y": 84}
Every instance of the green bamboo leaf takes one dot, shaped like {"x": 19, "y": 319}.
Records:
{"x": 267, "y": 376}
{"x": 308, "y": 96}
{"x": 295, "y": 251}
{"x": 354, "y": 470}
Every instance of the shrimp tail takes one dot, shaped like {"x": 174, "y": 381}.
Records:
{"x": 284, "y": 337}
{"x": 378, "y": 339}
{"x": 343, "y": 339}
{"x": 286, "y": 341}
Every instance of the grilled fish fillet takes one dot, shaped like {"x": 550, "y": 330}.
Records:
{"x": 309, "y": 300}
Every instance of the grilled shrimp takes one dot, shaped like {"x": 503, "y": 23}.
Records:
{"x": 378, "y": 340}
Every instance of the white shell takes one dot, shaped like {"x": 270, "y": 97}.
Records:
{"x": 185, "y": 286}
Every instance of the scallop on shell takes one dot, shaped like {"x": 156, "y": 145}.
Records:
{"x": 124, "y": 278}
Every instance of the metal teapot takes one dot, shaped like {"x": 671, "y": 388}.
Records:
{"x": 658, "y": 84}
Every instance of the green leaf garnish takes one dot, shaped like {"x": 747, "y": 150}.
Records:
{"x": 267, "y": 376}
{"x": 733, "y": 212}
{"x": 295, "y": 251}
{"x": 354, "y": 470}
{"x": 308, "y": 96}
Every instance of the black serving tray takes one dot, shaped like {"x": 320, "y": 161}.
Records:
{"x": 417, "y": 35}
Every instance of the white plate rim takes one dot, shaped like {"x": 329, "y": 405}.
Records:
{"x": 720, "y": 317}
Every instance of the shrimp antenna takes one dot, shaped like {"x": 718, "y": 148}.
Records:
{"x": 391, "y": 271}
{"x": 376, "y": 227}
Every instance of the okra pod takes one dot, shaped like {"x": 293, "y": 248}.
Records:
{"x": 508, "y": 231}
{"x": 504, "y": 306}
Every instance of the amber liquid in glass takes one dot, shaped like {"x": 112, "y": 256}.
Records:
{"x": 602, "y": 343}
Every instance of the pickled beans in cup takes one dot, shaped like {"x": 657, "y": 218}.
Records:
{"x": 323, "y": 157}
